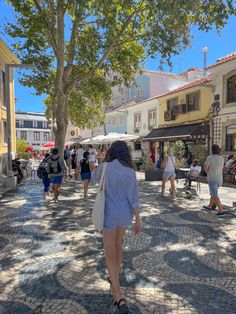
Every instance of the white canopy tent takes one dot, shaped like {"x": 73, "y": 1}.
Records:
{"x": 94, "y": 140}
{"x": 109, "y": 138}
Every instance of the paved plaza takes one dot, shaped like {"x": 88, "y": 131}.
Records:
{"x": 51, "y": 258}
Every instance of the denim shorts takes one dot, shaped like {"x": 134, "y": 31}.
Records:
{"x": 85, "y": 176}
{"x": 56, "y": 180}
{"x": 213, "y": 187}
{"x": 168, "y": 174}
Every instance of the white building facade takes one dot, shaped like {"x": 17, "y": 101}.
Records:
{"x": 151, "y": 83}
{"x": 34, "y": 128}
{"x": 223, "y": 122}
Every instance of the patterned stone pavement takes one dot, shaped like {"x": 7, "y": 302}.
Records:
{"x": 51, "y": 258}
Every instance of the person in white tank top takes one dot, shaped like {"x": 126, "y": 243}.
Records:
{"x": 169, "y": 173}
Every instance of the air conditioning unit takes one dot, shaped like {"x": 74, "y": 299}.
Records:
{"x": 168, "y": 115}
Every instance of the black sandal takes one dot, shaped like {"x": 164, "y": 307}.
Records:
{"x": 122, "y": 308}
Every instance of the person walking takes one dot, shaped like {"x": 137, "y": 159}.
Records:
{"x": 86, "y": 167}
{"x": 44, "y": 175}
{"x": 67, "y": 158}
{"x": 79, "y": 157}
{"x": 169, "y": 173}
{"x": 55, "y": 168}
{"x": 213, "y": 166}
{"x": 73, "y": 161}
{"x": 121, "y": 205}
{"x": 92, "y": 154}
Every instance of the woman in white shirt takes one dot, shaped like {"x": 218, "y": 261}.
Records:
{"x": 169, "y": 173}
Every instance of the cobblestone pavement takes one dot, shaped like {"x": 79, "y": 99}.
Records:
{"x": 51, "y": 259}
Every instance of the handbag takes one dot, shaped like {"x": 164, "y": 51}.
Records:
{"x": 99, "y": 204}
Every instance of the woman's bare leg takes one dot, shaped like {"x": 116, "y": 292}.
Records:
{"x": 163, "y": 185}
{"x": 86, "y": 184}
{"x": 172, "y": 183}
{"x": 119, "y": 240}
{"x": 112, "y": 240}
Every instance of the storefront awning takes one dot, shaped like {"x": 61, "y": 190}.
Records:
{"x": 178, "y": 132}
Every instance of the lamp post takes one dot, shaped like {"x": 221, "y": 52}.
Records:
{"x": 204, "y": 50}
{"x": 9, "y": 66}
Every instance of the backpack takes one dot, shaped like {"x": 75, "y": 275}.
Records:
{"x": 55, "y": 166}
{"x": 42, "y": 172}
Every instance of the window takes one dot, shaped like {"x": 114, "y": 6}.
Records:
{"x": 28, "y": 124}
{"x": 193, "y": 101}
{"x": 231, "y": 89}
{"x": 45, "y": 125}
{"x": 152, "y": 118}
{"x": 34, "y": 124}
{"x": 137, "y": 120}
{"x": 139, "y": 93}
{"x": 3, "y": 84}
{"x": 46, "y": 136}
{"x": 171, "y": 103}
{"x": 39, "y": 124}
{"x": 230, "y": 138}
{"x": 17, "y": 123}
{"x": 137, "y": 146}
{"x": 4, "y": 132}
{"x": 23, "y": 135}
{"x": 36, "y": 136}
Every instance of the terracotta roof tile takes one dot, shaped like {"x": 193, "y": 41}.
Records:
{"x": 229, "y": 57}
{"x": 195, "y": 83}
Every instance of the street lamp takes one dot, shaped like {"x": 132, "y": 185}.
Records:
{"x": 8, "y": 66}
{"x": 204, "y": 50}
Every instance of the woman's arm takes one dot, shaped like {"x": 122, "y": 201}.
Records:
{"x": 91, "y": 166}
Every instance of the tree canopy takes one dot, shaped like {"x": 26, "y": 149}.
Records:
{"x": 82, "y": 47}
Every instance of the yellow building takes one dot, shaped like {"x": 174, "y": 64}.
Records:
{"x": 6, "y": 56}
{"x": 184, "y": 115}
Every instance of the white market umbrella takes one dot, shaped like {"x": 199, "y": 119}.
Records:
{"x": 94, "y": 140}
{"x": 87, "y": 141}
{"x": 112, "y": 137}
{"x": 98, "y": 139}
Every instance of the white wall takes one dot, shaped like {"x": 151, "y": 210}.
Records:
{"x": 142, "y": 107}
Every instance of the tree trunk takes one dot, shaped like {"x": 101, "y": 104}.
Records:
{"x": 61, "y": 122}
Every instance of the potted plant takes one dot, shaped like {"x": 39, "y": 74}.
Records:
{"x": 151, "y": 172}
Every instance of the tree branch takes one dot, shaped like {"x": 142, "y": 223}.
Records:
{"x": 71, "y": 49}
{"x": 115, "y": 39}
{"x": 49, "y": 28}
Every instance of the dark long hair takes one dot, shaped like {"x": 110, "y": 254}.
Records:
{"x": 119, "y": 150}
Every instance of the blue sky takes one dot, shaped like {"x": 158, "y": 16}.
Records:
{"x": 218, "y": 46}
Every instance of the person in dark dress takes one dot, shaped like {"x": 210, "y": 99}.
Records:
{"x": 86, "y": 167}
{"x": 73, "y": 160}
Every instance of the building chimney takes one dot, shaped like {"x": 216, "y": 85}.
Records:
{"x": 204, "y": 50}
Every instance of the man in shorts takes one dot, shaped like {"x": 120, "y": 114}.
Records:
{"x": 214, "y": 168}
